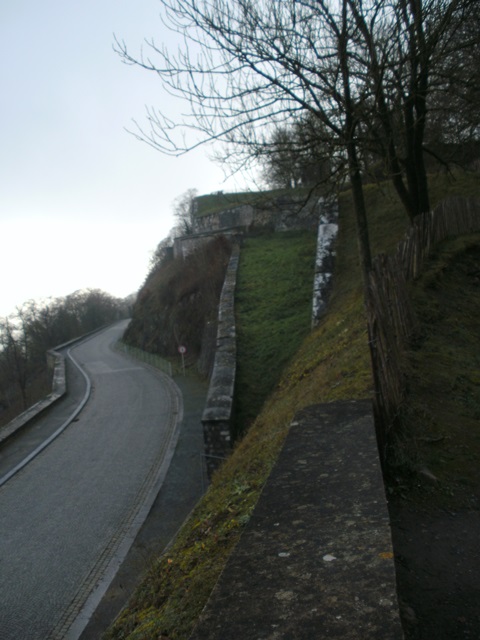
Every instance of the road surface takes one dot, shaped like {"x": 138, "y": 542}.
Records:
{"x": 67, "y": 517}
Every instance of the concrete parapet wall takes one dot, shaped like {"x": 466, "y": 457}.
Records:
{"x": 184, "y": 245}
{"x": 217, "y": 415}
{"x": 242, "y": 216}
{"x": 315, "y": 559}
{"x": 280, "y": 214}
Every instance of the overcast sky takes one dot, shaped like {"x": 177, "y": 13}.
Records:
{"x": 82, "y": 203}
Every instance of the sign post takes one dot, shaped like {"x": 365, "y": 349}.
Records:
{"x": 182, "y": 351}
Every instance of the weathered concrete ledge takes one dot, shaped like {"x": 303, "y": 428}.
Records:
{"x": 315, "y": 560}
{"x": 217, "y": 415}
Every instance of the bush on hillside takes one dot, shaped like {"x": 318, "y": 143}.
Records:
{"x": 178, "y": 305}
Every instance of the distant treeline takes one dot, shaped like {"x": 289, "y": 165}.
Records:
{"x": 28, "y": 333}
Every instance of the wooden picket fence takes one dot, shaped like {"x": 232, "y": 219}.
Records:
{"x": 391, "y": 320}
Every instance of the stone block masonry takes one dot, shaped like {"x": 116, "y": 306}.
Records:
{"x": 281, "y": 213}
{"x": 217, "y": 415}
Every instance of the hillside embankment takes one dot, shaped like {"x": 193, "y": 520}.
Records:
{"x": 177, "y": 305}
{"x": 332, "y": 363}
{"x": 435, "y": 496}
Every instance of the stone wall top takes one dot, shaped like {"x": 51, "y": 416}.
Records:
{"x": 219, "y": 401}
{"x": 289, "y": 211}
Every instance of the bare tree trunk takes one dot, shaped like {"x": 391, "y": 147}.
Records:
{"x": 352, "y": 154}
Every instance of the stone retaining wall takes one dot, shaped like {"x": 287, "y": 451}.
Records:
{"x": 217, "y": 415}
{"x": 282, "y": 213}
{"x": 184, "y": 245}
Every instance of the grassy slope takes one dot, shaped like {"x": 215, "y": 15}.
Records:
{"x": 332, "y": 363}
{"x": 273, "y": 314}
{"x": 442, "y": 412}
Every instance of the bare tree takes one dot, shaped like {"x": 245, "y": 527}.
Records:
{"x": 15, "y": 356}
{"x": 163, "y": 252}
{"x": 184, "y": 211}
{"x": 299, "y": 156}
{"x": 362, "y": 70}
{"x": 404, "y": 47}
{"x": 453, "y": 128}
{"x": 248, "y": 67}
{"x": 34, "y": 327}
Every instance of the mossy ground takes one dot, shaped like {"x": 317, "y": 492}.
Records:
{"x": 435, "y": 489}
{"x": 442, "y": 411}
{"x": 332, "y": 363}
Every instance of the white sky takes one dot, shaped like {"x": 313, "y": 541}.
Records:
{"x": 82, "y": 203}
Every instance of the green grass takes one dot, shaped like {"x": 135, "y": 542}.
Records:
{"x": 332, "y": 363}
{"x": 442, "y": 410}
{"x": 273, "y": 314}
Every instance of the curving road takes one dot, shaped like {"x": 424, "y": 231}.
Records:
{"x": 67, "y": 518}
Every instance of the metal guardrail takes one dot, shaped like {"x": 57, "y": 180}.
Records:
{"x": 148, "y": 358}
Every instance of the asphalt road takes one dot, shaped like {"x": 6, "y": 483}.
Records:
{"x": 68, "y": 517}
